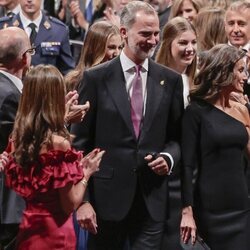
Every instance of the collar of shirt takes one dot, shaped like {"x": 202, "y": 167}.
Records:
{"x": 245, "y": 47}
{"x": 129, "y": 73}
{"x": 16, "y": 10}
{"x": 25, "y": 21}
{"x": 18, "y": 83}
{"x": 186, "y": 88}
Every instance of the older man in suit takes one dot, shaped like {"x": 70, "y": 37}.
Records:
{"x": 135, "y": 112}
{"x": 15, "y": 57}
{"x": 49, "y": 35}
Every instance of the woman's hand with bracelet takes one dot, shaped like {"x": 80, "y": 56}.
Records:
{"x": 91, "y": 162}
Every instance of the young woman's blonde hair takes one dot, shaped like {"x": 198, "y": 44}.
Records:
{"x": 93, "y": 51}
{"x": 208, "y": 35}
{"x": 176, "y": 6}
{"x": 174, "y": 28}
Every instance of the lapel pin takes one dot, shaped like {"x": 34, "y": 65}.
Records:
{"x": 162, "y": 82}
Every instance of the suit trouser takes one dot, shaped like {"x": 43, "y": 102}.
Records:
{"x": 138, "y": 231}
{"x": 8, "y": 233}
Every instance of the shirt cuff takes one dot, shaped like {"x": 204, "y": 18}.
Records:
{"x": 171, "y": 161}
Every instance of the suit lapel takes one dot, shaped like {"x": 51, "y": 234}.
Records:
{"x": 154, "y": 96}
{"x": 14, "y": 87}
{"x": 116, "y": 86}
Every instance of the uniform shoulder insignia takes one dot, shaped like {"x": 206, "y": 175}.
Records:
{"x": 55, "y": 20}
{"x": 5, "y": 19}
{"x": 47, "y": 24}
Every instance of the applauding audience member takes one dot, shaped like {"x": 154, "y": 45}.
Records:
{"x": 52, "y": 177}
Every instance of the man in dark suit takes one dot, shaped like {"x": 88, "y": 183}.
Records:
{"x": 15, "y": 57}
{"x": 135, "y": 113}
{"x": 49, "y": 35}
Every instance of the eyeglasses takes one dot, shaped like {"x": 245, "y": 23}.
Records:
{"x": 31, "y": 51}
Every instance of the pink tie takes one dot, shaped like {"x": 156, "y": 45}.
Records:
{"x": 137, "y": 101}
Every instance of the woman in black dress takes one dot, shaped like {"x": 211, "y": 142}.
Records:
{"x": 215, "y": 134}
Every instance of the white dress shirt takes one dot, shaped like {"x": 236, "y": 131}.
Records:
{"x": 186, "y": 88}
{"x": 25, "y": 22}
{"x": 128, "y": 68}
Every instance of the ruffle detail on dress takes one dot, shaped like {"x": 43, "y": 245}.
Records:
{"x": 58, "y": 168}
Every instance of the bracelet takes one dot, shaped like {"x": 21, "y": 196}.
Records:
{"x": 84, "y": 182}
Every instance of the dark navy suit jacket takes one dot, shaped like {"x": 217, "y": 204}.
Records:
{"x": 108, "y": 126}
{"x": 11, "y": 205}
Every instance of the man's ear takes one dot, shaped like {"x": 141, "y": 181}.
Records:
{"x": 24, "y": 60}
{"x": 123, "y": 32}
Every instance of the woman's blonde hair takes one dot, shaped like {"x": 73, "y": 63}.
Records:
{"x": 175, "y": 8}
{"x": 93, "y": 51}
{"x": 171, "y": 30}
{"x": 214, "y": 31}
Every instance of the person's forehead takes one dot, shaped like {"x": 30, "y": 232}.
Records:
{"x": 238, "y": 14}
{"x": 144, "y": 18}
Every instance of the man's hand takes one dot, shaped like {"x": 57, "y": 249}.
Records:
{"x": 86, "y": 217}
{"x": 158, "y": 165}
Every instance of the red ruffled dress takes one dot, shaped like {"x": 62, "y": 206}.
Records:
{"x": 44, "y": 225}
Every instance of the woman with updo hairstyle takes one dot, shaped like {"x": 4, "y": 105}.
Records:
{"x": 102, "y": 43}
{"x": 178, "y": 51}
{"x": 186, "y": 8}
{"x": 215, "y": 135}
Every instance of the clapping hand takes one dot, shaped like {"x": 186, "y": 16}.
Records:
{"x": 91, "y": 162}
{"x": 73, "y": 111}
{"x": 4, "y": 160}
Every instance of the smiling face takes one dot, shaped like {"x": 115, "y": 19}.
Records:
{"x": 237, "y": 26}
{"x": 113, "y": 47}
{"x": 187, "y": 10}
{"x": 183, "y": 50}
{"x": 142, "y": 37}
{"x": 240, "y": 76}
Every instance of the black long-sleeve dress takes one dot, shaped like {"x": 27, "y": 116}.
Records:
{"x": 214, "y": 142}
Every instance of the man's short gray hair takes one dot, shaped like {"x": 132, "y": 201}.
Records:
{"x": 128, "y": 14}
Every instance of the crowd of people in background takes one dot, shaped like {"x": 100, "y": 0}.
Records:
{"x": 124, "y": 124}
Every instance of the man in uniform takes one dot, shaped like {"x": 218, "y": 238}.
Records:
{"x": 49, "y": 35}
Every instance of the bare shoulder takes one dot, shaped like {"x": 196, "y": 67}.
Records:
{"x": 60, "y": 143}
{"x": 241, "y": 108}
{"x": 242, "y": 113}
